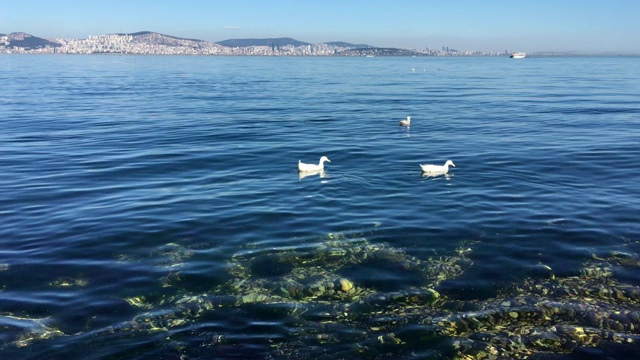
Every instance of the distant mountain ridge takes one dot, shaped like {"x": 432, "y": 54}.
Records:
{"x": 286, "y": 41}
{"x": 155, "y": 34}
{"x": 149, "y": 42}
{"x": 348, "y": 45}
{"x": 27, "y": 41}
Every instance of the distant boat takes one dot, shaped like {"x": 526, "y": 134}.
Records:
{"x": 518, "y": 55}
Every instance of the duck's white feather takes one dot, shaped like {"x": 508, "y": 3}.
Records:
{"x": 406, "y": 122}
{"x": 313, "y": 167}
{"x": 437, "y": 169}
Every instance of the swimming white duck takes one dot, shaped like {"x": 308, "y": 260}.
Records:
{"x": 406, "y": 122}
{"x": 313, "y": 167}
{"x": 437, "y": 169}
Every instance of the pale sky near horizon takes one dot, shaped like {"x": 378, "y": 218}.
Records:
{"x": 489, "y": 25}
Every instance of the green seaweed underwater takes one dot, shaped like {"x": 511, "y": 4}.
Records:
{"x": 312, "y": 303}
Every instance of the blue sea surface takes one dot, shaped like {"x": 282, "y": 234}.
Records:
{"x": 151, "y": 207}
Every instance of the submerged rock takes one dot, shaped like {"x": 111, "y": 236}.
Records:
{"x": 345, "y": 285}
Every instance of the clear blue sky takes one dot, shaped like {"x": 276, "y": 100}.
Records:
{"x": 522, "y": 25}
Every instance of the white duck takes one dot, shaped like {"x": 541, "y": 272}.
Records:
{"x": 313, "y": 167}
{"x": 437, "y": 169}
{"x": 406, "y": 122}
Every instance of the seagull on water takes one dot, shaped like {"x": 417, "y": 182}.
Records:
{"x": 406, "y": 122}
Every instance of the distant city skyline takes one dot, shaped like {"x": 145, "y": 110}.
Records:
{"x": 544, "y": 25}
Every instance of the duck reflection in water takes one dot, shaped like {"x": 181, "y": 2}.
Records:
{"x": 304, "y": 174}
{"x": 446, "y": 176}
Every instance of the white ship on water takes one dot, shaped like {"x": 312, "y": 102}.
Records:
{"x": 518, "y": 55}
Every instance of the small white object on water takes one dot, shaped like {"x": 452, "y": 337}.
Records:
{"x": 313, "y": 167}
{"x": 437, "y": 169}
{"x": 406, "y": 122}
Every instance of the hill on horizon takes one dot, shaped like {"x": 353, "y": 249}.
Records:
{"x": 349, "y": 45}
{"x": 286, "y": 41}
{"x": 153, "y": 33}
{"x": 28, "y": 41}
{"x": 262, "y": 42}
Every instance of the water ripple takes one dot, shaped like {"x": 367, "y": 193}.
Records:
{"x": 133, "y": 187}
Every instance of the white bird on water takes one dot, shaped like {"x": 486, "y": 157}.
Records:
{"x": 313, "y": 167}
{"x": 406, "y": 122}
{"x": 437, "y": 169}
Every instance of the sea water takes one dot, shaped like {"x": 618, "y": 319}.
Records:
{"x": 151, "y": 207}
